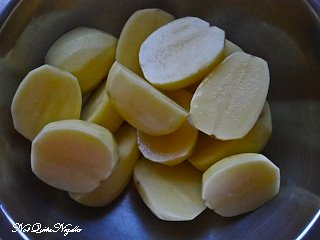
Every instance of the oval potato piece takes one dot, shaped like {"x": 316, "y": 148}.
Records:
{"x": 228, "y": 102}
{"x": 141, "y": 105}
{"x": 73, "y": 155}
{"x": 181, "y": 52}
{"x": 45, "y": 95}
{"x": 240, "y": 183}
{"x": 171, "y": 193}
{"x": 87, "y": 53}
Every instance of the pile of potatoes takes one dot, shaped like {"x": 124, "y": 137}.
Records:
{"x": 171, "y": 102}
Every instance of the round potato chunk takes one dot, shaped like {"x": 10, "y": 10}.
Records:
{"x": 73, "y": 155}
{"x": 229, "y": 101}
{"x": 45, "y": 95}
{"x": 181, "y": 53}
{"x": 87, "y": 53}
{"x": 240, "y": 183}
{"x": 142, "y": 105}
{"x": 171, "y": 193}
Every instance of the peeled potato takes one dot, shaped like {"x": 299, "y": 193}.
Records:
{"x": 141, "y": 105}
{"x": 209, "y": 150}
{"x": 175, "y": 147}
{"x": 181, "y": 52}
{"x": 171, "y": 193}
{"x": 45, "y": 95}
{"x": 87, "y": 53}
{"x": 111, "y": 188}
{"x": 228, "y": 102}
{"x": 240, "y": 183}
{"x": 138, "y": 27}
{"x": 230, "y": 47}
{"x": 98, "y": 109}
{"x": 73, "y": 155}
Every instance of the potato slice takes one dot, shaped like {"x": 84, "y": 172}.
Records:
{"x": 210, "y": 150}
{"x": 240, "y": 183}
{"x": 175, "y": 147}
{"x": 112, "y": 187}
{"x": 171, "y": 193}
{"x": 138, "y": 27}
{"x": 73, "y": 155}
{"x": 181, "y": 53}
{"x": 141, "y": 105}
{"x": 228, "y": 102}
{"x": 230, "y": 47}
{"x": 87, "y": 53}
{"x": 98, "y": 109}
{"x": 45, "y": 95}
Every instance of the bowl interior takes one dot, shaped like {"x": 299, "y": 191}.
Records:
{"x": 287, "y": 37}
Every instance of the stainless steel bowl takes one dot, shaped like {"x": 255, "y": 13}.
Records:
{"x": 285, "y": 33}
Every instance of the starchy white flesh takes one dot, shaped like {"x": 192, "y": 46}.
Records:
{"x": 73, "y": 155}
{"x": 228, "y": 102}
{"x": 113, "y": 186}
{"x": 138, "y": 27}
{"x": 230, "y": 47}
{"x": 173, "y": 148}
{"x": 87, "y": 53}
{"x": 141, "y": 105}
{"x": 45, "y": 95}
{"x": 171, "y": 193}
{"x": 181, "y": 52}
{"x": 209, "y": 150}
{"x": 98, "y": 109}
{"x": 240, "y": 183}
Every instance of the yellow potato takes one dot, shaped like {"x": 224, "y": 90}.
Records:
{"x": 209, "y": 150}
{"x": 171, "y": 193}
{"x": 98, "y": 109}
{"x": 240, "y": 183}
{"x": 141, "y": 105}
{"x": 175, "y": 147}
{"x": 73, "y": 155}
{"x": 229, "y": 48}
{"x": 228, "y": 102}
{"x": 181, "y": 52}
{"x": 112, "y": 187}
{"x": 45, "y": 95}
{"x": 138, "y": 27}
{"x": 87, "y": 53}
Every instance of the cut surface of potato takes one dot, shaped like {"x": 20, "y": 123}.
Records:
{"x": 141, "y": 105}
{"x": 45, "y": 95}
{"x": 228, "y": 102}
{"x": 240, "y": 183}
{"x": 87, "y": 53}
{"x": 171, "y": 193}
{"x": 138, "y": 27}
{"x": 110, "y": 188}
{"x": 181, "y": 53}
{"x": 73, "y": 155}
{"x": 98, "y": 109}
{"x": 175, "y": 147}
{"x": 210, "y": 150}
